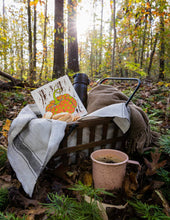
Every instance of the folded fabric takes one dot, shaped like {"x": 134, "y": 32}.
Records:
{"x": 119, "y": 112}
{"x": 139, "y": 134}
{"x": 32, "y": 141}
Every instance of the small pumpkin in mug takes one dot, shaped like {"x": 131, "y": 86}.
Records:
{"x": 62, "y": 103}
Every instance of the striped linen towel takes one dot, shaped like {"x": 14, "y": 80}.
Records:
{"x": 32, "y": 141}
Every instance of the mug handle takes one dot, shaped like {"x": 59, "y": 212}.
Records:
{"x": 135, "y": 163}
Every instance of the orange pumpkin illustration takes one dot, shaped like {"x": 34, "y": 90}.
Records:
{"x": 62, "y": 103}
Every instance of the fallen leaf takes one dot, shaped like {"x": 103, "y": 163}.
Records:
{"x": 144, "y": 190}
{"x": 69, "y": 173}
{"x": 7, "y": 182}
{"x": 37, "y": 212}
{"x": 155, "y": 164}
{"x": 6, "y": 127}
{"x": 157, "y": 184}
{"x": 130, "y": 184}
{"x": 87, "y": 179}
{"x": 6, "y": 178}
{"x": 61, "y": 172}
{"x": 159, "y": 105}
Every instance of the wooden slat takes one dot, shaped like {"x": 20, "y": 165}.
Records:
{"x": 104, "y": 133}
{"x": 84, "y": 146}
{"x": 79, "y": 139}
{"x": 64, "y": 158}
{"x": 90, "y": 122}
{"x": 91, "y": 138}
{"x": 115, "y": 134}
{"x": 91, "y": 125}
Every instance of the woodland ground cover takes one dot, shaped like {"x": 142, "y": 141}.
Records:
{"x": 147, "y": 194}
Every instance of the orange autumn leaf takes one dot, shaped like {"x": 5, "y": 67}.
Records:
{"x": 6, "y": 127}
{"x": 148, "y": 5}
{"x": 35, "y": 2}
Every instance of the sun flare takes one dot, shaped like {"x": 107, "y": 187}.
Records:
{"x": 84, "y": 18}
{"x": 83, "y": 23}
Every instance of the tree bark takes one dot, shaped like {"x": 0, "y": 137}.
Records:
{"x": 22, "y": 53}
{"x": 58, "y": 67}
{"x": 11, "y": 60}
{"x": 162, "y": 49}
{"x": 152, "y": 54}
{"x": 35, "y": 42}
{"x": 30, "y": 76}
{"x": 11, "y": 78}
{"x": 5, "y": 36}
{"x": 73, "y": 62}
{"x": 44, "y": 60}
{"x": 114, "y": 39}
{"x": 92, "y": 51}
{"x": 101, "y": 37}
{"x": 143, "y": 41}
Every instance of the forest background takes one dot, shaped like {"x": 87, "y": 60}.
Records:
{"x": 42, "y": 40}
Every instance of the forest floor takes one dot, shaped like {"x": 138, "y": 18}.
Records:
{"x": 143, "y": 195}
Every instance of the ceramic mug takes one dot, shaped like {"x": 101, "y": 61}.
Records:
{"x": 109, "y": 168}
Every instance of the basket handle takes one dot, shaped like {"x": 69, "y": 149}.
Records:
{"x": 122, "y": 78}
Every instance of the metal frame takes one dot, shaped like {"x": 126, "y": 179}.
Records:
{"x": 122, "y": 78}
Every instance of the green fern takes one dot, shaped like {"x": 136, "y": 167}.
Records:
{"x": 165, "y": 143}
{"x": 150, "y": 212}
{"x": 165, "y": 175}
{"x": 9, "y": 216}
{"x": 89, "y": 191}
{"x": 3, "y": 198}
{"x": 65, "y": 208}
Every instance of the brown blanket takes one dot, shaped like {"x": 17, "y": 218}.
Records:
{"x": 139, "y": 134}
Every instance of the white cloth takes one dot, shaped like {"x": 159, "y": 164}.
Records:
{"x": 119, "y": 112}
{"x": 32, "y": 141}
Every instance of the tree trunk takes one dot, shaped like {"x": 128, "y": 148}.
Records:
{"x": 5, "y": 36}
{"x": 35, "y": 42}
{"x": 143, "y": 42}
{"x": 58, "y": 68}
{"x": 111, "y": 24}
{"x": 101, "y": 37}
{"x": 17, "y": 49}
{"x": 30, "y": 76}
{"x": 22, "y": 54}
{"x": 92, "y": 52}
{"x": 73, "y": 63}
{"x": 152, "y": 54}
{"x": 11, "y": 78}
{"x": 44, "y": 60}
{"x": 114, "y": 39}
{"x": 162, "y": 49}
{"x": 11, "y": 61}
{"x": 120, "y": 63}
